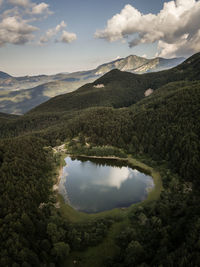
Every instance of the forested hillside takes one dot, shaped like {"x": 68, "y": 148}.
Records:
{"x": 120, "y": 89}
{"x": 161, "y": 126}
{"x": 21, "y": 94}
{"x": 32, "y": 232}
{"x": 162, "y": 130}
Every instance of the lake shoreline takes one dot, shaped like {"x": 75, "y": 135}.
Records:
{"x": 59, "y": 176}
{"x": 98, "y": 157}
{"x": 133, "y": 163}
{"x": 109, "y": 173}
{"x": 75, "y": 215}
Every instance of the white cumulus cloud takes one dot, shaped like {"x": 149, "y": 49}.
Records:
{"x": 175, "y": 28}
{"x": 41, "y": 8}
{"x": 15, "y": 22}
{"x": 31, "y": 7}
{"x": 15, "y": 30}
{"x": 68, "y": 37}
{"x": 52, "y": 32}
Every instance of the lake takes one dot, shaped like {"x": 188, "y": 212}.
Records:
{"x": 95, "y": 185}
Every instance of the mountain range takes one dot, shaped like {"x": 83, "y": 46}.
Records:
{"x": 119, "y": 89}
{"x": 20, "y": 94}
{"x": 139, "y": 65}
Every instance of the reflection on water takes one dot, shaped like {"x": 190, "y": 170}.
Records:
{"x": 97, "y": 185}
{"x": 116, "y": 176}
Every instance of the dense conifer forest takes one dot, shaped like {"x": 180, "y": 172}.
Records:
{"x": 161, "y": 130}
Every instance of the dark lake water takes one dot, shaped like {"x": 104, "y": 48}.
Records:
{"x": 94, "y": 185}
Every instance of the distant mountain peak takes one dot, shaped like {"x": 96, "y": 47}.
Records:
{"x": 4, "y": 75}
{"x": 139, "y": 65}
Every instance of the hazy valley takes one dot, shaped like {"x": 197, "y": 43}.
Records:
{"x": 20, "y": 94}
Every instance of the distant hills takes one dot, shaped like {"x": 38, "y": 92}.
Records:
{"x": 20, "y": 101}
{"x": 120, "y": 89}
{"x": 4, "y": 75}
{"x": 20, "y": 94}
{"x": 139, "y": 65}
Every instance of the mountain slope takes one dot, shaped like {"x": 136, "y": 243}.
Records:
{"x": 4, "y": 75}
{"x": 5, "y": 116}
{"x": 119, "y": 89}
{"x": 139, "y": 65}
{"x": 15, "y": 97}
{"x": 158, "y": 64}
{"x": 165, "y": 124}
{"x": 124, "y": 64}
{"x": 131, "y": 63}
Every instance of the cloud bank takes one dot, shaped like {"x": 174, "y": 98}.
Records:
{"x": 15, "y": 22}
{"x": 176, "y": 28}
{"x": 40, "y": 9}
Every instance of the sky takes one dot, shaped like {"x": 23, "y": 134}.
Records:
{"x": 56, "y": 36}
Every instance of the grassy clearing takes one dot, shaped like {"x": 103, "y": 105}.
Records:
{"x": 96, "y": 256}
{"x": 73, "y": 215}
{"x": 155, "y": 193}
